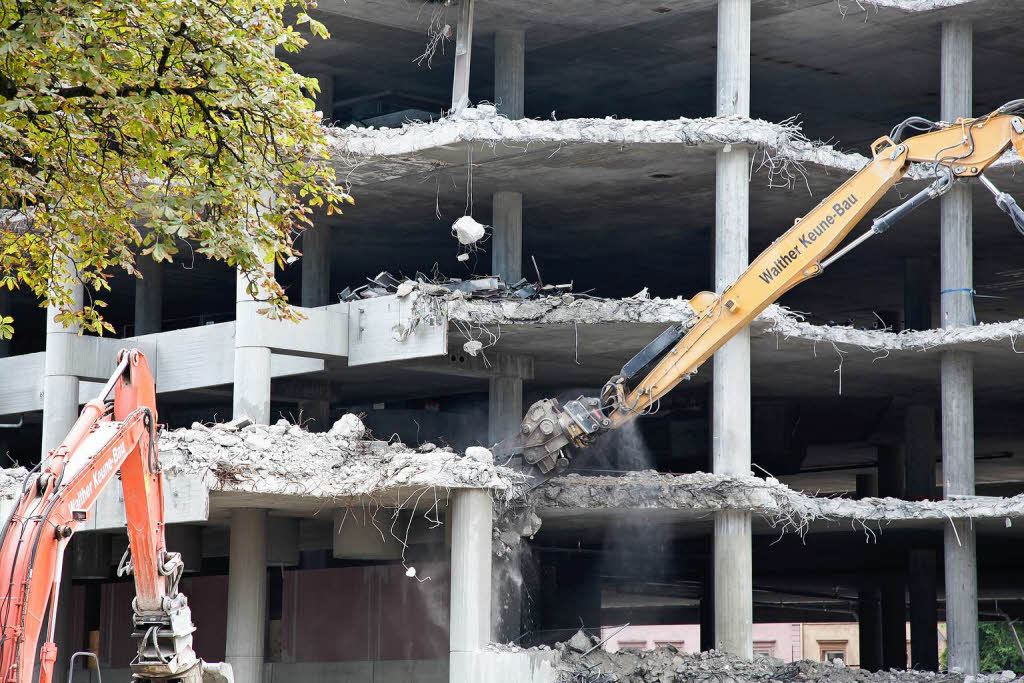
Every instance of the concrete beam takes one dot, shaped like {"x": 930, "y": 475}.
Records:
{"x": 731, "y": 443}
{"x": 149, "y": 311}
{"x": 323, "y": 333}
{"x": 957, "y": 367}
{"x": 247, "y": 595}
{"x": 381, "y": 329}
{"x": 463, "y": 56}
{"x": 470, "y": 617}
{"x": 507, "y": 241}
{"x": 510, "y": 73}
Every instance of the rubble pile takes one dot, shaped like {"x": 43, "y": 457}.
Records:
{"x": 285, "y": 459}
{"x": 580, "y": 664}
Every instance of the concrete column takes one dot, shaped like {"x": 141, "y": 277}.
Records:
{"x": 924, "y": 608}
{"x": 251, "y": 391}
{"x": 463, "y": 55}
{"x": 470, "y": 617}
{"x": 731, "y": 386}
{"x": 247, "y": 594}
{"x": 316, "y": 266}
{"x": 504, "y": 400}
{"x": 957, "y": 367}
{"x": 921, "y": 449}
{"x": 325, "y": 99}
{"x": 892, "y": 471}
{"x": 869, "y": 623}
{"x": 894, "y": 622}
{"x": 60, "y": 387}
{"x": 507, "y": 243}
{"x": 917, "y": 307}
{"x": 149, "y": 297}
{"x": 510, "y": 73}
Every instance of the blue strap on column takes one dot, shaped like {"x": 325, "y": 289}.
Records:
{"x": 972, "y": 293}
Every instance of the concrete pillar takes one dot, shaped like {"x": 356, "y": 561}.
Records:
{"x": 247, "y": 594}
{"x": 921, "y": 448}
{"x": 463, "y": 55}
{"x": 504, "y": 402}
{"x": 867, "y": 485}
{"x": 869, "y": 623}
{"x": 957, "y": 367}
{"x": 892, "y": 471}
{"x": 731, "y": 386}
{"x": 510, "y": 73}
{"x": 149, "y": 297}
{"x": 60, "y": 387}
{"x": 325, "y": 98}
{"x": 251, "y": 391}
{"x": 894, "y": 622}
{"x": 922, "y": 570}
{"x": 470, "y": 616}
{"x": 917, "y": 307}
{"x": 507, "y": 243}
{"x": 316, "y": 266}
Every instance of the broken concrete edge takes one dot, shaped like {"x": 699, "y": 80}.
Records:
{"x": 781, "y": 506}
{"x": 285, "y": 460}
{"x": 568, "y": 309}
{"x": 904, "y": 5}
{"x": 781, "y": 143}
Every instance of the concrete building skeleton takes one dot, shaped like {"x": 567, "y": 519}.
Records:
{"x": 885, "y": 390}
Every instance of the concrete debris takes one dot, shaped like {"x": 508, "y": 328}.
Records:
{"x": 480, "y": 287}
{"x": 669, "y": 665}
{"x": 473, "y": 347}
{"x": 284, "y": 459}
{"x": 579, "y": 642}
{"x": 348, "y": 427}
{"x": 700, "y": 493}
{"x": 468, "y": 230}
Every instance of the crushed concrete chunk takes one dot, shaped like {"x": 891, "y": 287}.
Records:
{"x": 473, "y": 347}
{"x": 579, "y": 642}
{"x": 480, "y": 454}
{"x": 348, "y": 427}
{"x": 467, "y": 230}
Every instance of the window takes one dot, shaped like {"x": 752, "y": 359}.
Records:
{"x": 632, "y": 644}
{"x": 832, "y": 649}
{"x": 764, "y": 647}
{"x": 678, "y": 644}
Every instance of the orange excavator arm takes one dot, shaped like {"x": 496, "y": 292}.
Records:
{"x": 957, "y": 151}
{"x": 107, "y": 438}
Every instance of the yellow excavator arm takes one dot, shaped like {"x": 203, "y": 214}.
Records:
{"x": 956, "y": 151}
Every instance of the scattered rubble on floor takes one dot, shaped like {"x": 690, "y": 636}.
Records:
{"x": 285, "y": 459}
{"x": 785, "y": 509}
{"x": 906, "y": 5}
{"x": 583, "y": 662}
